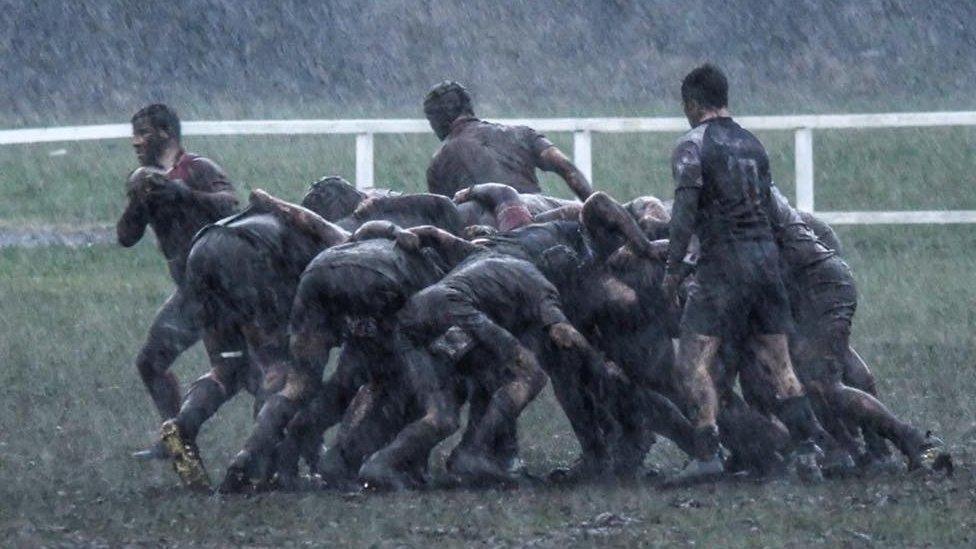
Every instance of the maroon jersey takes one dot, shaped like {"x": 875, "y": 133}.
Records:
{"x": 476, "y": 151}
{"x": 175, "y": 222}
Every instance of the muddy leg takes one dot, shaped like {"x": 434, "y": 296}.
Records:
{"x": 432, "y": 382}
{"x": 506, "y": 404}
{"x": 859, "y": 376}
{"x": 174, "y": 330}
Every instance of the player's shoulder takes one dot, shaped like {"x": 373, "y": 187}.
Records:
{"x": 200, "y": 162}
{"x": 695, "y": 136}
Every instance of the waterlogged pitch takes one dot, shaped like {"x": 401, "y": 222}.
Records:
{"x": 71, "y": 321}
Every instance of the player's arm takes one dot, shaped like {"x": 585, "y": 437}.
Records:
{"x": 569, "y": 212}
{"x": 299, "y": 218}
{"x": 551, "y": 159}
{"x": 452, "y": 248}
{"x": 602, "y": 213}
{"x": 687, "y": 172}
{"x": 213, "y": 191}
{"x": 132, "y": 225}
{"x": 504, "y": 202}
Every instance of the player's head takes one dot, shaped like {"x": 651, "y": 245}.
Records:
{"x": 704, "y": 90}
{"x": 332, "y": 197}
{"x": 154, "y": 128}
{"x": 444, "y": 103}
{"x": 651, "y": 216}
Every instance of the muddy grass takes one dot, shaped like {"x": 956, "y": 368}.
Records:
{"x": 38, "y": 237}
{"x": 72, "y": 320}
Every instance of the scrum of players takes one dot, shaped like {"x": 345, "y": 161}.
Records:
{"x": 719, "y": 320}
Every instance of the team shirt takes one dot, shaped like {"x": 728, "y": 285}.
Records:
{"x": 476, "y": 151}
{"x": 176, "y": 226}
{"x": 731, "y": 169}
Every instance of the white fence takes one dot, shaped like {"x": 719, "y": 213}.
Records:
{"x": 583, "y": 130}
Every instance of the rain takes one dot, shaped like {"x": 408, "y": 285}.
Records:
{"x": 375, "y": 336}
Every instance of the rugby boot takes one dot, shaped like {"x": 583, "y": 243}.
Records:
{"x": 806, "y": 459}
{"x": 236, "y": 481}
{"x": 476, "y": 469}
{"x": 155, "y": 452}
{"x": 585, "y": 469}
{"x": 377, "y": 474}
{"x": 697, "y": 471}
{"x": 708, "y": 466}
{"x": 931, "y": 455}
{"x": 185, "y": 457}
{"x": 838, "y": 463}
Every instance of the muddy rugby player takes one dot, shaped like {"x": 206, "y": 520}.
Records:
{"x": 722, "y": 193}
{"x": 475, "y": 151}
{"x": 176, "y": 193}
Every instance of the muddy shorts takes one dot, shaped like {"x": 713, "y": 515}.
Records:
{"x": 432, "y": 312}
{"x": 824, "y": 299}
{"x": 738, "y": 288}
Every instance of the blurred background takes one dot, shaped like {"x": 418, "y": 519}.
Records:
{"x": 78, "y": 62}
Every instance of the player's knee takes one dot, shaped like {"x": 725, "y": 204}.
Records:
{"x": 442, "y": 423}
{"x": 296, "y": 387}
{"x": 151, "y": 364}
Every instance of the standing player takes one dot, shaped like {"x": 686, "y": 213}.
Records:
{"x": 723, "y": 182}
{"x": 176, "y": 193}
{"x": 474, "y": 151}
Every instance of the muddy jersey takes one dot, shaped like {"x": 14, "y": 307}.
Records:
{"x": 476, "y": 151}
{"x": 540, "y": 203}
{"x": 798, "y": 244}
{"x": 511, "y": 291}
{"x": 531, "y": 241}
{"x": 407, "y": 211}
{"x": 176, "y": 224}
{"x": 410, "y": 271}
{"x": 730, "y": 167}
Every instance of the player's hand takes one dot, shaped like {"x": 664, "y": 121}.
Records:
{"x": 462, "y": 196}
{"x": 670, "y": 288}
{"x": 615, "y": 372}
{"x": 260, "y": 200}
{"x": 167, "y": 190}
{"x": 565, "y": 336}
{"x": 408, "y": 240}
{"x": 142, "y": 180}
{"x": 363, "y": 208}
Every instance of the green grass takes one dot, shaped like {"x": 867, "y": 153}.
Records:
{"x": 71, "y": 322}
{"x": 855, "y": 169}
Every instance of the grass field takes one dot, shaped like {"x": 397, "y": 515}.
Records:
{"x": 855, "y": 169}
{"x": 71, "y": 321}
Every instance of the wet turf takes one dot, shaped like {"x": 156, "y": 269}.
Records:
{"x": 916, "y": 168}
{"x": 71, "y": 322}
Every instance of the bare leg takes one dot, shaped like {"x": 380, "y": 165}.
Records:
{"x": 432, "y": 382}
{"x": 506, "y": 404}
{"x": 173, "y": 331}
{"x": 696, "y": 355}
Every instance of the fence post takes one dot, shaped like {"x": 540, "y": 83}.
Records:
{"x": 803, "y": 146}
{"x": 583, "y": 153}
{"x": 364, "y": 160}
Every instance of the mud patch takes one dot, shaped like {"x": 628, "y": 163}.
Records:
{"x": 40, "y": 237}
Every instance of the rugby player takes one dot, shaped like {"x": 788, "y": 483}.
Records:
{"x": 176, "y": 193}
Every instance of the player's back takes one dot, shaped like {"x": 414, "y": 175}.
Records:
{"x": 736, "y": 184}
{"x": 483, "y": 152}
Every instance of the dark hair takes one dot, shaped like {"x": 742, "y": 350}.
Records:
{"x": 706, "y": 86}
{"x": 160, "y": 117}
{"x": 450, "y": 96}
